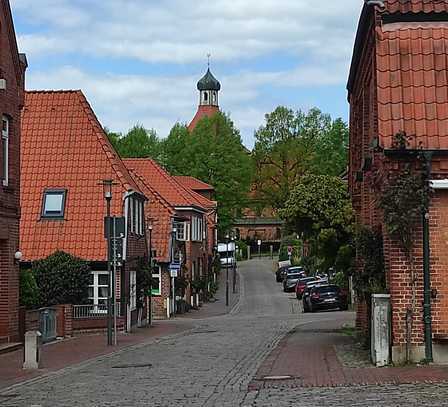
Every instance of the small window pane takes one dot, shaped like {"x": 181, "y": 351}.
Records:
{"x": 102, "y": 292}
{"x": 54, "y": 203}
{"x": 103, "y": 279}
{"x": 90, "y": 292}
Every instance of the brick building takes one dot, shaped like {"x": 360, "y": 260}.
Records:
{"x": 398, "y": 85}
{"x": 12, "y": 79}
{"x": 175, "y": 207}
{"x": 65, "y": 157}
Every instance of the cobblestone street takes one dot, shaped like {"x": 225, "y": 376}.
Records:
{"x": 214, "y": 363}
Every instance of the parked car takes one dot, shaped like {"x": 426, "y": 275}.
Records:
{"x": 292, "y": 270}
{"x": 302, "y": 284}
{"x": 289, "y": 283}
{"x": 324, "y": 297}
{"x": 279, "y": 273}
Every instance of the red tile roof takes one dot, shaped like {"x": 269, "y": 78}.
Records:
{"x": 165, "y": 185}
{"x": 64, "y": 146}
{"x": 413, "y": 84}
{"x": 193, "y": 183}
{"x": 416, "y": 6}
{"x": 203, "y": 111}
{"x": 165, "y": 195}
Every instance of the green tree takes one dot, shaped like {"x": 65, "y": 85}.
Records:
{"x": 292, "y": 144}
{"x": 137, "y": 143}
{"x": 319, "y": 207}
{"x": 62, "y": 279}
{"x": 173, "y": 150}
{"x": 214, "y": 153}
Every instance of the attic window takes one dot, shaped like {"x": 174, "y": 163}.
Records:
{"x": 54, "y": 204}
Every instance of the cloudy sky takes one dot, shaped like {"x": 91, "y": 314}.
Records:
{"x": 138, "y": 61}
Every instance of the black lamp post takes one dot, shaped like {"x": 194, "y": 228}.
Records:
{"x": 150, "y": 267}
{"x": 107, "y": 192}
{"x": 174, "y": 232}
{"x": 234, "y": 266}
{"x": 227, "y": 270}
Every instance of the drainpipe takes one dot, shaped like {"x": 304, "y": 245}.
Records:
{"x": 426, "y": 266}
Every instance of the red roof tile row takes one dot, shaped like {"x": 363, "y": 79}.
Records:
{"x": 416, "y": 6}
{"x": 412, "y": 85}
{"x": 193, "y": 183}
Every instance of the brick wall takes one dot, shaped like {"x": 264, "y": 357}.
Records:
{"x": 11, "y": 101}
{"x": 159, "y": 301}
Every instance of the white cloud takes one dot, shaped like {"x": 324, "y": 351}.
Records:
{"x": 181, "y": 31}
{"x": 316, "y": 38}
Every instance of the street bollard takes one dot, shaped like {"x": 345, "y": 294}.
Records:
{"x": 33, "y": 341}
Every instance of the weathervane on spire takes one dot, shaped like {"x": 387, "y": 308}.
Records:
{"x": 208, "y": 59}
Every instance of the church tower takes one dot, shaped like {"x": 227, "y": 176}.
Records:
{"x": 208, "y": 87}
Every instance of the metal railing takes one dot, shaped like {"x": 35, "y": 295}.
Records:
{"x": 91, "y": 311}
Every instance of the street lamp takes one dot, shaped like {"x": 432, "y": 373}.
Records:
{"x": 227, "y": 270}
{"x": 149, "y": 228}
{"x": 107, "y": 192}
{"x": 234, "y": 265}
{"x": 174, "y": 232}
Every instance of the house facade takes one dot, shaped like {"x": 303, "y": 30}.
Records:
{"x": 398, "y": 88}
{"x": 66, "y": 156}
{"x": 12, "y": 79}
{"x": 179, "y": 230}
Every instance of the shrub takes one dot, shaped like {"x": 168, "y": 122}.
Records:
{"x": 62, "y": 279}
{"x": 29, "y": 291}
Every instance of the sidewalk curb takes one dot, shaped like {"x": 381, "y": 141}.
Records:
{"x": 241, "y": 292}
{"x": 80, "y": 365}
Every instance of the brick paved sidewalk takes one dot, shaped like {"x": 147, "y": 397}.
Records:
{"x": 218, "y": 307}
{"x": 61, "y": 354}
{"x": 308, "y": 356}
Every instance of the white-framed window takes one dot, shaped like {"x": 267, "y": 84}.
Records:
{"x": 99, "y": 288}
{"x": 196, "y": 228}
{"x": 157, "y": 281}
{"x": 131, "y": 214}
{"x": 53, "y": 205}
{"x": 140, "y": 220}
{"x": 182, "y": 231}
{"x": 5, "y": 150}
{"x": 133, "y": 290}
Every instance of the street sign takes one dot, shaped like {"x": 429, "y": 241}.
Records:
{"x": 174, "y": 273}
{"x": 289, "y": 250}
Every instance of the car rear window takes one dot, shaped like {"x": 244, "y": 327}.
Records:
{"x": 293, "y": 276}
{"x": 295, "y": 270}
{"x": 328, "y": 289}
{"x": 307, "y": 279}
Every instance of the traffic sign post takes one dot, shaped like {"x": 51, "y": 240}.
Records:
{"x": 289, "y": 253}
{"x": 259, "y": 248}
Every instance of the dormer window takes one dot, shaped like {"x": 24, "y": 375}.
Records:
{"x": 54, "y": 204}
{"x": 5, "y": 151}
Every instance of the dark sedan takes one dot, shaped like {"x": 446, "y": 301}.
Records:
{"x": 324, "y": 297}
{"x": 289, "y": 283}
{"x": 280, "y": 273}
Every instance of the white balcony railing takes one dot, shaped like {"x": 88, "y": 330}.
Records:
{"x": 91, "y": 311}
